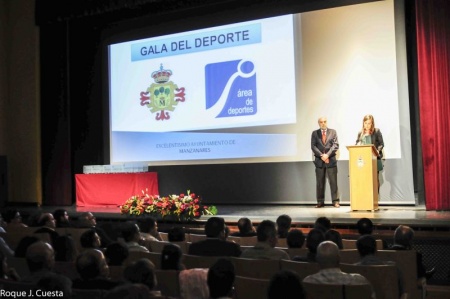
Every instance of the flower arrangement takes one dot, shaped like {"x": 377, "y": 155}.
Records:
{"x": 180, "y": 207}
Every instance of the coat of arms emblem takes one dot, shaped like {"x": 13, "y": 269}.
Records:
{"x": 163, "y": 95}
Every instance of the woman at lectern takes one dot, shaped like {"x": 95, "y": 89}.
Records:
{"x": 371, "y": 135}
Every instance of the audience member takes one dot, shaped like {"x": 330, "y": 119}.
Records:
{"x": 367, "y": 248}
{"x": 40, "y": 258}
{"x": 142, "y": 271}
{"x": 215, "y": 244}
{"x": 149, "y": 229}
{"x": 88, "y": 220}
{"x": 283, "y": 225}
{"x": 93, "y": 270}
{"x": 267, "y": 241}
{"x": 285, "y": 284}
{"x": 403, "y": 238}
{"x": 323, "y": 223}
{"x": 130, "y": 291}
{"x": 5, "y": 249}
{"x": 116, "y": 253}
{"x": 47, "y": 224}
{"x": 7, "y": 273}
{"x": 132, "y": 237}
{"x": 24, "y": 243}
{"x": 246, "y": 228}
{"x": 176, "y": 234}
{"x": 3, "y": 224}
{"x": 61, "y": 218}
{"x": 365, "y": 227}
{"x": 13, "y": 219}
{"x": 330, "y": 273}
{"x": 90, "y": 239}
{"x": 314, "y": 238}
{"x": 334, "y": 236}
{"x": 59, "y": 286}
{"x": 220, "y": 279}
{"x": 65, "y": 249}
{"x": 172, "y": 258}
{"x": 295, "y": 238}
{"x": 193, "y": 283}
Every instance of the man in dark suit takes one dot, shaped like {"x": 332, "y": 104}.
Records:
{"x": 324, "y": 145}
{"x": 215, "y": 244}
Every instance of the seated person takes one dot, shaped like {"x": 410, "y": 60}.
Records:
{"x": 47, "y": 224}
{"x": 13, "y": 219}
{"x": 215, "y": 243}
{"x": 295, "y": 238}
{"x": 283, "y": 225}
{"x": 335, "y": 236}
{"x": 88, "y": 220}
{"x": 149, "y": 229}
{"x": 403, "y": 237}
{"x": 93, "y": 270}
{"x": 40, "y": 258}
{"x": 330, "y": 273}
{"x": 171, "y": 258}
{"x": 314, "y": 238}
{"x": 176, "y": 234}
{"x": 142, "y": 271}
{"x": 365, "y": 227}
{"x": 90, "y": 239}
{"x": 57, "y": 284}
{"x": 116, "y": 253}
{"x": 367, "y": 248}
{"x": 5, "y": 249}
{"x": 220, "y": 279}
{"x": 131, "y": 290}
{"x": 132, "y": 237}
{"x": 62, "y": 218}
{"x": 7, "y": 273}
{"x": 323, "y": 223}
{"x": 285, "y": 284}
{"x": 267, "y": 241}
{"x": 246, "y": 228}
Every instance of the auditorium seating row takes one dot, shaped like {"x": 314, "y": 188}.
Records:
{"x": 381, "y": 277}
{"x": 405, "y": 260}
{"x": 14, "y": 237}
{"x": 250, "y": 241}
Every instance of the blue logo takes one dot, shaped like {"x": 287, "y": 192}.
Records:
{"x": 231, "y": 88}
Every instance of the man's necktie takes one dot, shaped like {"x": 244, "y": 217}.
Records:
{"x": 324, "y": 136}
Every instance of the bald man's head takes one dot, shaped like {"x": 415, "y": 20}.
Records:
{"x": 40, "y": 255}
{"x": 87, "y": 219}
{"x": 91, "y": 263}
{"x": 47, "y": 219}
{"x": 328, "y": 255}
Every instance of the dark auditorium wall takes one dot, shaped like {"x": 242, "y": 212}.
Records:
{"x": 19, "y": 101}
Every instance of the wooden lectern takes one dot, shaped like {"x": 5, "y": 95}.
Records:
{"x": 363, "y": 177}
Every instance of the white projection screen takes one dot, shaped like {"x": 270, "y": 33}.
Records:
{"x": 252, "y": 92}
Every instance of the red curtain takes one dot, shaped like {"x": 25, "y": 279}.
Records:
{"x": 433, "y": 55}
